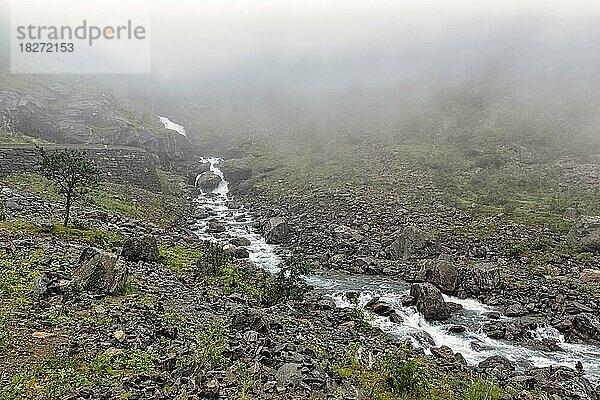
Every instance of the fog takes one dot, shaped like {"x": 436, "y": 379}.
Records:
{"x": 227, "y": 67}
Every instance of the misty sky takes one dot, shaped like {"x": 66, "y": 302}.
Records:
{"x": 349, "y": 55}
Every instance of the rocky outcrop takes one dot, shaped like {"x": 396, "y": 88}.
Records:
{"x": 144, "y": 248}
{"x": 208, "y": 181}
{"x": 101, "y": 272}
{"x": 585, "y": 234}
{"x": 275, "y": 230}
{"x": 68, "y": 111}
{"x": 429, "y": 301}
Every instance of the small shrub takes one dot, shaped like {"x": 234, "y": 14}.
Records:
{"x": 214, "y": 258}
{"x": 403, "y": 377}
{"x": 288, "y": 283}
{"x": 135, "y": 361}
{"x": 211, "y": 346}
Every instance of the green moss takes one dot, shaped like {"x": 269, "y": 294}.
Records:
{"x": 178, "y": 258}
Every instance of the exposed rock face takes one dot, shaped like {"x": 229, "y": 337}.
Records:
{"x": 142, "y": 248}
{"x": 67, "y": 111}
{"x": 429, "y": 301}
{"x": 586, "y": 234}
{"x": 208, "y": 181}
{"x": 590, "y": 276}
{"x": 442, "y": 273}
{"x": 276, "y": 230}
{"x": 101, "y": 272}
{"x": 409, "y": 241}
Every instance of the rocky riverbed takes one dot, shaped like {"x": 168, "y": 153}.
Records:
{"x": 119, "y": 307}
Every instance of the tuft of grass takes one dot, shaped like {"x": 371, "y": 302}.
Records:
{"x": 211, "y": 343}
{"x": 125, "y": 362}
{"x": 483, "y": 390}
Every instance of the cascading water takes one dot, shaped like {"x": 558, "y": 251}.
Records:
{"x": 473, "y": 344}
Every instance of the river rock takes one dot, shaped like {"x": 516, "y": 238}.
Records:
{"x": 380, "y": 308}
{"x": 240, "y": 241}
{"x": 144, "y": 248}
{"x": 429, "y": 301}
{"x": 443, "y": 352}
{"x": 498, "y": 363}
{"x": 101, "y": 272}
{"x": 586, "y": 326}
{"x": 590, "y": 276}
{"x": 208, "y": 181}
{"x": 585, "y": 234}
{"x": 441, "y": 272}
{"x": 275, "y": 230}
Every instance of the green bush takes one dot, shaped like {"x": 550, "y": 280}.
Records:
{"x": 211, "y": 347}
{"x": 214, "y": 258}
{"x": 402, "y": 377}
{"x": 390, "y": 377}
{"x": 288, "y": 283}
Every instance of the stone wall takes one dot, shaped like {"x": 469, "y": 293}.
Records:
{"x": 126, "y": 165}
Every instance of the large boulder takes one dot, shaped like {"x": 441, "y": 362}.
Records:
{"x": 429, "y": 301}
{"x": 144, "y": 248}
{"x": 408, "y": 242}
{"x": 275, "y": 230}
{"x": 441, "y": 272}
{"x": 235, "y": 171}
{"x": 586, "y": 326}
{"x": 585, "y": 234}
{"x": 208, "y": 181}
{"x": 101, "y": 272}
